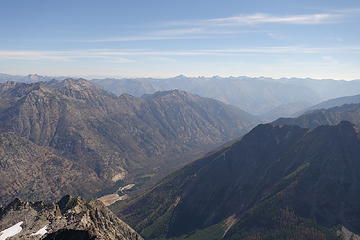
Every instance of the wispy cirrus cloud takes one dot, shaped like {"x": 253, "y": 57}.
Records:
{"x": 33, "y": 55}
{"x": 227, "y": 26}
{"x": 169, "y": 34}
{"x": 263, "y": 18}
{"x": 333, "y": 16}
{"x": 62, "y": 56}
{"x": 127, "y": 55}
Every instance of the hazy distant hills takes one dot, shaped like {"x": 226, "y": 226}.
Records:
{"x": 336, "y": 102}
{"x": 103, "y": 139}
{"x": 270, "y": 98}
{"x": 331, "y": 116}
{"x": 277, "y": 182}
{"x": 285, "y": 110}
{"x": 31, "y": 78}
{"x": 266, "y": 97}
{"x": 254, "y": 95}
{"x": 134, "y": 87}
{"x": 296, "y": 178}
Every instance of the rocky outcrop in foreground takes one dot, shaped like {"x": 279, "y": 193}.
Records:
{"x": 70, "y": 218}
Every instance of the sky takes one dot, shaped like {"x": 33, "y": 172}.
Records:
{"x": 164, "y": 38}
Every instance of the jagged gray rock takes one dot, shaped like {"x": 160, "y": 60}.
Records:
{"x": 70, "y": 218}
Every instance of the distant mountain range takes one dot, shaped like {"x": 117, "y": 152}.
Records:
{"x": 266, "y": 97}
{"x": 31, "y": 78}
{"x": 336, "y": 102}
{"x": 330, "y": 116}
{"x": 277, "y": 182}
{"x": 63, "y": 132}
{"x": 294, "y": 178}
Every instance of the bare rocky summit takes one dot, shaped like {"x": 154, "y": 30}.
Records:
{"x": 70, "y": 218}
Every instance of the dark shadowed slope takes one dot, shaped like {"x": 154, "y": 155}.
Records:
{"x": 278, "y": 182}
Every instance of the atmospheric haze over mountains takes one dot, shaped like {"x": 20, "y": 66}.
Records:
{"x": 266, "y": 98}
{"x": 115, "y": 139}
{"x": 180, "y": 120}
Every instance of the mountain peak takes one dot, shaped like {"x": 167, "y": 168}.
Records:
{"x": 181, "y": 76}
{"x": 79, "y": 88}
{"x": 105, "y": 138}
{"x": 331, "y": 116}
{"x": 76, "y": 84}
{"x": 92, "y": 218}
{"x": 71, "y": 82}
{"x": 70, "y": 202}
{"x": 287, "y": 176}
{"x": 174, "y": 92}
{"x": 347, "y": 124}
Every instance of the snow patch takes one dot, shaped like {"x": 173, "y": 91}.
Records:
{"x": 41, "y": 232}
{"x": 11, "y": 231}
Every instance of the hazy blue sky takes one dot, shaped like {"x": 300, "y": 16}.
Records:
{"x": 160, "y": 38}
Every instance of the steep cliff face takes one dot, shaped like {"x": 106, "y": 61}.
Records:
{"x": 277, "y": 182}
{"x": 32, "y": 172}
{"x": 70, "y": 218}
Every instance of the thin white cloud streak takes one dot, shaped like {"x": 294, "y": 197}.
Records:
{"x": 61, "y": 56}
{"x": 266, "y": 18}
{"x": 220, "y": 27}
{"x": 140, "y": 38}
{"x": 125, "y": 55}
{"x": 33, "y": 55}
{"x": 263, "y": 18}
{"x": 169, "y": 34}
{"x": 348, "y": 10}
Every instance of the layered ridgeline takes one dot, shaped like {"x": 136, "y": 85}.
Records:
{"x": 276, "y": 183}
{"x": 270, "y": 98}
{"x": 71, "y": 218}
{"x": 336, "y": 102}
{"x": 30, "y": 78}
{"x": 103, "y": 140}
{"x": 254, "y": 95}
{"x": 330, "y": 116}
{"x": 266, "y": 97}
